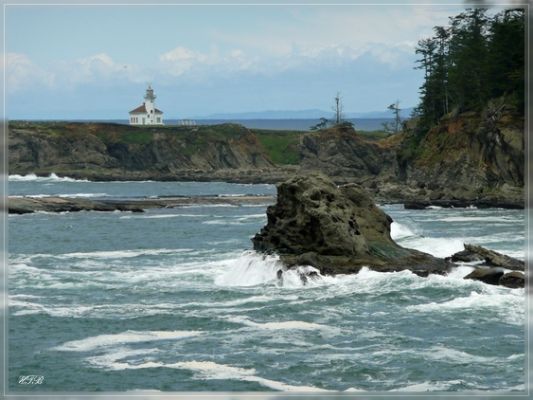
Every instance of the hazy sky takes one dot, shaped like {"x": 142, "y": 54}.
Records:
{"x": 95, "y": 61}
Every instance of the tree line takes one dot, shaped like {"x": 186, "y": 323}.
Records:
{"x": 477, "y": 57}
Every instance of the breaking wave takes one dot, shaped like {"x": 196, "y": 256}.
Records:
{"x": 50, "y": 178}
{"x": 99, "y": 341}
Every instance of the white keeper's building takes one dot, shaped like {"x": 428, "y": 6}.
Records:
{"x": 147, "y": 114}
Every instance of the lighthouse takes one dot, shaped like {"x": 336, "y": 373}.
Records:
{"x": 147, "y": 114}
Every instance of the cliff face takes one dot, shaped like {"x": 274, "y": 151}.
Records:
{"x": 469, "y": 156}
{"x": 341, "y": 153}
{"x": 465, "y": 157}
{"x": 93, "y": 149}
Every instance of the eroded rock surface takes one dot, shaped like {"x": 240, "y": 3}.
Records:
{"x": 336, "y": 229}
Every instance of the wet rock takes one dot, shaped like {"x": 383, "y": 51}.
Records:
{"x": 335, "y": 229}
{"x": 489, "y": 257}
{"x": 513, "y": 280}
{"x": 488, "y": 275}
{"x": 28, "y": 204}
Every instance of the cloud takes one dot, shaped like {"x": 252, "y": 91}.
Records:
{"x": 99, "y": 67}
{"x": 185, "y": 62}
{"x": 181, "y": 60}
{"x": 22, "y": 73}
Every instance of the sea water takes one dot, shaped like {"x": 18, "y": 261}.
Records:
{"x": 175, "y": 300}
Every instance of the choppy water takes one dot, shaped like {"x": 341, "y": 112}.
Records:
{"x": 172, "y": 300}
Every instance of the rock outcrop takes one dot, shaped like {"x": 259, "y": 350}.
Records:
{"x": 513, "y": 280}
{"x": 28, "y": 204}
{"x": 497, "y": 276}
{"x": 105, "y": 151}
{"x": 489, "y": 258}
{"x": 337, "y": 230}
{"x": 492, "y": 267}
{"x": 474, "y": 156}
{"x": 488, "y": 275}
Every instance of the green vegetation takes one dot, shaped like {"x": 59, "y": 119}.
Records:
{"x": 474, "y": 59}
{"x": 281, "y": 146}
{"x": 374, "y": 135}
{"x": 473, "y": 67}
{"x": 137, "y": 137}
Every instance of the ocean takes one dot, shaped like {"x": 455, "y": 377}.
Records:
{"x": 293, "y": 124}
{"x": 175, "y": 300}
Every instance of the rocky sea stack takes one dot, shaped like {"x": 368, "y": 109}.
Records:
{"x": 337, "y": 230}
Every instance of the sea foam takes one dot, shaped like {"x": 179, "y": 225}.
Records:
{"x": 51, "y": 178}
{"x": 95, "y": 342}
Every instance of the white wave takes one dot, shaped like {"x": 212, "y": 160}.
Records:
{"x": 29, "y": 308}
{"x": 117, "y": 253}
{"x": 217, "y": 242}
{"x": 438, "y": 247}
{"x": 434, "y": 207}
{"x": 221, "y": 222}
{"x": 400, "y": 231}
{"x": 252, "y": 269}
{"x": 442, "y": 353}
{"x": 248, "y": 300}
{"x": 209, "y": 205}
{"x": 68, "y": 195}
{"x": 51, "y": 178}
{"x": 354, "y": 389}
{"x": 479, "y": 218}
{"x": 24, "y": 296}
{"x": 95, "y": 342}
{"x": 244, "y": 218}
{"x": 156, "y": 216}
{"x": 508, "y": 303}
{"x": 204, "y": 370}
{"x": 428, "y": 386}
{"x": 281, "y": 325}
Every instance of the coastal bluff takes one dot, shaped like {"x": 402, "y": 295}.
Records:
{"x": 460, "y": 163}
{"x": 336, "y": 229}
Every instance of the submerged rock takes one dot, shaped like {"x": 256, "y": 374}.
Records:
{"x": 335, "y": 229}
{"x": 513, "y": 280}
{"x": 490, "y": 258}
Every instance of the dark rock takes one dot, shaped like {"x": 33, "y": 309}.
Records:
{"x": 335, "y": 229}
{"x": 489, "y": 257}
{"x": 513, "y": 280}
{"x": 466, "y": 256}
{"x": 488, "y": 275}
{"x": 25, "y": 205}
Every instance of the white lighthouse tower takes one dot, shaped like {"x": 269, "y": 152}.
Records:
{"x": 147, "y": 114}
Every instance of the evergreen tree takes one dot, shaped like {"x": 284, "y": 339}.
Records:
{"x": 474, "y": 59}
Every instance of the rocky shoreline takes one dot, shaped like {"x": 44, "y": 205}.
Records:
{"x": 339, "y": 229}
{"x": 27, "y": 204}
{"x": 383, "y": 192}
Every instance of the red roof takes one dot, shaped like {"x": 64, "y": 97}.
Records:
{"x": 142, "y": 110}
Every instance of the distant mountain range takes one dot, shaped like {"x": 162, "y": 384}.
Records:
{"x": 303, "y": 114}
